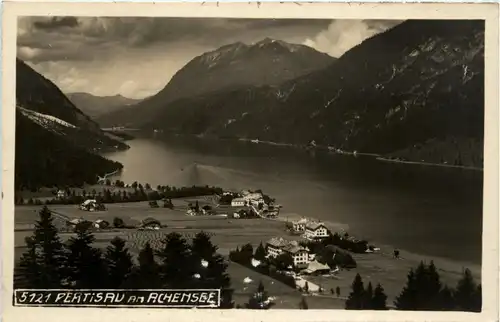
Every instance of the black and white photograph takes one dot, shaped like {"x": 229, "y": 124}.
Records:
{"x": 249, "y": 163}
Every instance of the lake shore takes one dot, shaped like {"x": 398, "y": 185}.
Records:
{"x": 227, "y": 234}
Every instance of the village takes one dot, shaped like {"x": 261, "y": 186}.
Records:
{"x": 292, "y": 258}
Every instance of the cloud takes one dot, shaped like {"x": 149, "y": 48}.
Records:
{"x": 56, "y": 23}
{"x": 342, "y": 35}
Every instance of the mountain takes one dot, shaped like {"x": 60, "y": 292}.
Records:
{"x": 420, "y": 83}
{"x": 56, "y": 144}
{"x": 95, "y": 106}
{"x": 267, "y": 62}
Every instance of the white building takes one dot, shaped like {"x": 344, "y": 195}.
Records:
{"x": 315, "y": 230}
{"x": 299, "y": 225}
{"x": 61, "y": 194}
{"x": 238, "y": 202}
{"x": 278, "y": 246}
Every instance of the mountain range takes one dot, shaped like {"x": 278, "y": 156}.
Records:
{"x": 95, "y": 106}
{"x": 404, "y": 93}
{"x": 267, "y": 62}
{"x": 56, "y": 144}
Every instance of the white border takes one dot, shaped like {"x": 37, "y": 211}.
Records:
{"x": 489, "y": 12}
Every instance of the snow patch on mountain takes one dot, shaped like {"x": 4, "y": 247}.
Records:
{"x": 44, "y": 120}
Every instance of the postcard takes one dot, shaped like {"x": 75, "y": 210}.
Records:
{"x": 272, "y": 162}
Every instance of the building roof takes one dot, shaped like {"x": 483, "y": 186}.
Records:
{"x": 300, "y": 221}
{"x": 277, "y": 242}
{"x": 316, "y": 266}
{"x": 238, "y": 200}
{"x": 314, "y": 225}
{"x": 293, "y": 249}
{"x": 88, "y": 201}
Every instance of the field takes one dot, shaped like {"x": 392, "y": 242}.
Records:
{"x": 227, "y": 234}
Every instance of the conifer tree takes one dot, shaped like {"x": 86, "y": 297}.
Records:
{"x": 407, "y": 299}
{"x": 368, "y": 296}
{"x": 259, "y": 300}
{"x": 446, "y": 299}
{"x": 42, "y": 264}
{"x": 432, "y": 289}
{"x": 260, "y": 253}
{"x": 119, "y": 263}
{"x": 85, "y": 267}
{"x": 146, "y": 275}
{"x": 465, "y": 292}
{"x": 355, "y": 301}
{"x": 211, "y": 267}
{"x": 379, "y": 299}
{"x": 176, "y": 268}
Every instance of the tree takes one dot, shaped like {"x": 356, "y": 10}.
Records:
{"x": 447, "y": 300}
{"x": 42, "y": 264}
{"x": 259, "y": 300}
{"x": 211, "y": 268}
{"x": 146, "y": 275}
{"x": 306, "y": 287}
{"x": 466, "y": 291}
{"x": 432, "y": 291}
{"x": 283, "y": 261}
{"x": 85, "y": 267}
{"x": 119, "y": 263}
{"x": 260, "y": 253}
{"x": 355, "y": 301}
{"x": 337, "y": 291}
{"x": 379, "y": 299}
{"x": 303, "y": 304}
{"x": 118, "y": 222}
{"x": 108, "y": 182}
{"x": 368, "y": 297}
{"x": 408, "y": 297}
{"x": 177, "y": 268}
{"x": 246, "y": 253}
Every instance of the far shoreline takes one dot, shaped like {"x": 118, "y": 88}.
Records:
{"x": 331, "y": 150}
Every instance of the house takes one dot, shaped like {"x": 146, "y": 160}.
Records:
{"x": 101, "y": 224}
{"x": 278, "y": 246}
{"x": 299, "y": 225}
{"x": 315, "y": 230}
{"x": 61, "y": 194}
{"x": 238, "y": 202}
{"x": 299, "y": 254}
{"x": 274, "y": 246}
{"x": 151, "y": 223}
{"x": 316, "y": 267}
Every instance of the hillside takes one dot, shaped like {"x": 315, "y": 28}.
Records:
{"x": 419, "y": 81}
{"x": 95, "y": 106}
{"x": 268, "y": 62}
{"x": 56, "y": 144}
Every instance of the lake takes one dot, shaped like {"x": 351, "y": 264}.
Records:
{"x": 426, "y": 210}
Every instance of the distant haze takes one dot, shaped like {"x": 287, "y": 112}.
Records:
{"x": 136, "y": 57}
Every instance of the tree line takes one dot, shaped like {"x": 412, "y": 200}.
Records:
{"x": 423, "y": 291}
{"x": 140, "y": 193}
{"x": 48, "y": 263}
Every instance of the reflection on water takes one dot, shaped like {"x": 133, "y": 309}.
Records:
{"x": 428, "y": 210}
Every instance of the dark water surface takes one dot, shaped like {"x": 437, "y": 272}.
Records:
{"x": 427, "y": 210}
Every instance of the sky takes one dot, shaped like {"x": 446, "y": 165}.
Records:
{"x": 136, "y": 57}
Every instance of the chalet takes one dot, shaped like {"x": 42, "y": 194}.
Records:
{"x": 316, "y": 267}
{"x": 315, "y": 230}
{"x": 278, "y": 246}
{"x": 299, "y": 254}
{"x": 274, "y": 246}
{"x": 151, "y": 223}
{"x": 238, "y": 202}
{"x": 299, "y": 225}
{"x": 101, "y": 224}
{"x": 61, "y": 194}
